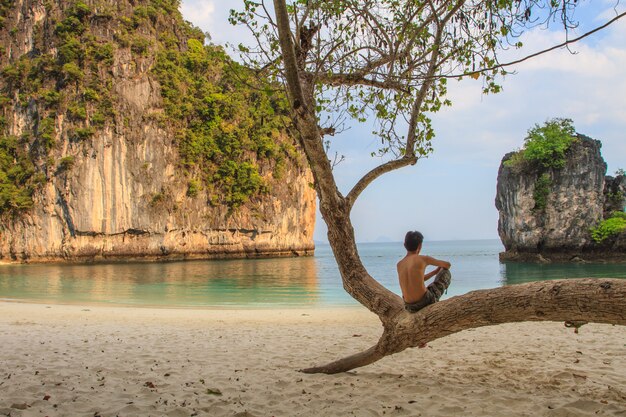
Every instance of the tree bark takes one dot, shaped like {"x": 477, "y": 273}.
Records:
{"x": 593, "y": 300}
{"x": 366, "y": 357}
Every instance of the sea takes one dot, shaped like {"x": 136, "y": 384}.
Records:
{"x": 269, "y": 283}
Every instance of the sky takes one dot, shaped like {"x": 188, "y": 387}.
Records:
{"x": 450, "y": 195}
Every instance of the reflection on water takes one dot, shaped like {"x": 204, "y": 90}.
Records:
{"x": 310, "y": 281}
{"x": 179, "y": 284}
{"x": 518, "y": 273}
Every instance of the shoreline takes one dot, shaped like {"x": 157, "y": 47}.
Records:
{"x": 59, "y": 360}
{"x": 565, "y": 258}
{"x": 113, "y": 305}
{"x": 105, "y": 259}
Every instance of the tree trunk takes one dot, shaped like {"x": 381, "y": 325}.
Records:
{"x": 577, "y": 300}
{"x": 333, "y": 206}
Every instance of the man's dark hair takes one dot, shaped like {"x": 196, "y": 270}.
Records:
{"x": 412, "y": 240}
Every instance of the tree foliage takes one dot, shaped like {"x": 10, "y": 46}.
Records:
{"x": 390, "y": 60}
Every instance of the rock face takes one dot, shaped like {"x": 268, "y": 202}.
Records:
{"x": 614, "y": 192}
{"x": 578, "y": 197}
{"x": 117, "y": 189}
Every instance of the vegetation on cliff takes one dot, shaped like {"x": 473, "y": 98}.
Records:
{"x": 566, "y": 211}
{"x": 16, "y": 176}
{"x": 544, "y": 149}
{"x": 612, "y": 226}
{"x": 545, "y": 146}
{"x": 74, "y": 84}
{"x": 5, "y": 5}
{"x": 225, "y": 119}
{"x": 226, "y": 122}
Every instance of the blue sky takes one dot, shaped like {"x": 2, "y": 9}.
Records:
{"x": 450, "y": 195}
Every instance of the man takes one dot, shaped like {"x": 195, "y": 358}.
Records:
{"x": 411, "y": 273}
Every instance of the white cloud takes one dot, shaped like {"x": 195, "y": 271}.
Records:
{"x": 212, "y": 16}
{"x": 200, "y": 12}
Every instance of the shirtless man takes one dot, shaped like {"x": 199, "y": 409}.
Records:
{"x": 411, "y": 273}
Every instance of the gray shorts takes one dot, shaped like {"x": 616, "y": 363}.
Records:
{"x": 433, "y": 292}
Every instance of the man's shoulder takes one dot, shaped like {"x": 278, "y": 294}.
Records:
{"x": 424, "y": 258}
{"x": 412, "y": 259}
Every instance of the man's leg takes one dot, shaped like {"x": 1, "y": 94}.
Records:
{"x": 440, "y": 285}
{"x": 426, "y": 300}
{"x": 433, "y": 292}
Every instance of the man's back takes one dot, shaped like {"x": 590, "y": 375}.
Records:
{"x": 411, "y": 276}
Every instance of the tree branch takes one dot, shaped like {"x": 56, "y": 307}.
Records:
{"x": 590, "y": 300}
{"x": 289, "y": 54}
{"x": 300, "y": 89}
{"x": 357, "y": 360}
{"x": 336, "y": 80}
{"x": 517, "y": 61}
{"x": 432, "y": 67}
{"x": 375, "y": 173}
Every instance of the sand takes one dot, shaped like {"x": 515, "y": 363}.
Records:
{"x": 58, "y": 360}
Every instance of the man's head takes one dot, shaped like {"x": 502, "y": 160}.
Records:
{"x": 413, "y": 241}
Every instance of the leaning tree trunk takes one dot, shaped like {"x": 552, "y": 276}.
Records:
{"x": 602, "y": 301}
{"x": 577, "y": 301}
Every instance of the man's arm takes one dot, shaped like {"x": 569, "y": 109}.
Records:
{"x": 436, "y": 262}
{"x": 432, "y": 274}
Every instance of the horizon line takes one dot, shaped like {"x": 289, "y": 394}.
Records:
{"x": 325, "y": 242}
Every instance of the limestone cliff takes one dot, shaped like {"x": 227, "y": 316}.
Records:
{"x": 125, "y": 137}
{"x": 577, "y": 196}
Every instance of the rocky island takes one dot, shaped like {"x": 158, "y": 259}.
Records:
{"x": 556, "y": 203}
{"x": 123, "y": 136}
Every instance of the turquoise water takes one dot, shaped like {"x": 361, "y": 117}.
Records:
{"x": 283, "y": 282}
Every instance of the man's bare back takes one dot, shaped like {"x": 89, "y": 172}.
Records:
{"x": 412, "y": 274}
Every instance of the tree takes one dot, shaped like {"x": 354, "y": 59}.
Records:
{"x": 391, "y": 59}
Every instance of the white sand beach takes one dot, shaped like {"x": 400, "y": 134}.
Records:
{"x": 58, "y": 360}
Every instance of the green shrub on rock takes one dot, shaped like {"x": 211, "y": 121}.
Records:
{"x": 544, "y": 149}
{"x": 66, "y": 163}
{"x": 612, "y": 226}
{"x": 226, "y": 119}
{"x": 545, "y": 146}
{"x": 542, "y": 190}
{"x": 16, "y": 176}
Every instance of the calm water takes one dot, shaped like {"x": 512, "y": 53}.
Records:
{"x": 290, "y": 282}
